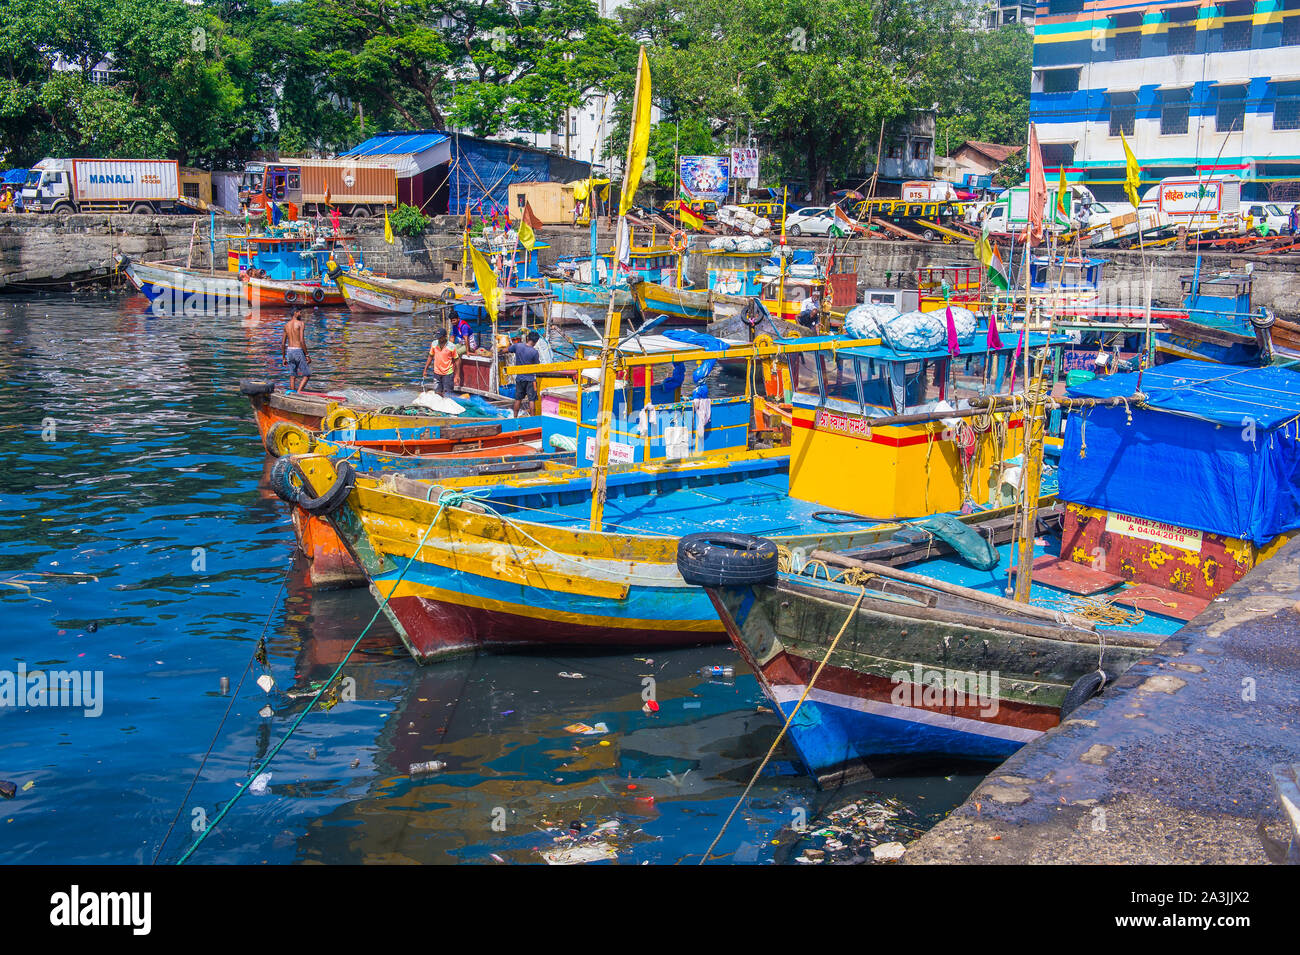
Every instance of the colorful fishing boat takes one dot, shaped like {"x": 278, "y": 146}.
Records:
{"x": 520, "y": 564}
{"x": 1163, "y": 505}
{"x": 281, "y": 268}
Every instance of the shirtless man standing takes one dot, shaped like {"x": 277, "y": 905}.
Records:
{"x": 293, "y": 351}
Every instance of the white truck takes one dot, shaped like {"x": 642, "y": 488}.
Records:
{"x": 1208, "y": 203}
{"x": 1009, "y": 214}
{"x": 65, "y": 186}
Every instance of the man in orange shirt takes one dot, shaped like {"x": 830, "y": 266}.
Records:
{"x": 443, "y": 356}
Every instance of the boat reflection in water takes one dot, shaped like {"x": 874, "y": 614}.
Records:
{"x": 529, "y": 752}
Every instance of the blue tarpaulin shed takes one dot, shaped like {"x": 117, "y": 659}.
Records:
{"x": 1215, "y": 448}
{"x": 483, "y": 171}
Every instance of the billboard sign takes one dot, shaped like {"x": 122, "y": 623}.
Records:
{"x": 706, "y": 177}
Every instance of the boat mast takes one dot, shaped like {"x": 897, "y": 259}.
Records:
{"x": 636, "y": 150}
{"x": 1032, "y": 451}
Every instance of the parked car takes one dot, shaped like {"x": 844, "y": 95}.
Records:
{"x": 812, "y": 220}
{"x": 1270, "y": 218}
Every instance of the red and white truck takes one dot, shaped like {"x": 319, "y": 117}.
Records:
{"x": 65, "y": 186}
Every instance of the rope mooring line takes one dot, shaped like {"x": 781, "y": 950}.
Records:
{"x": 311, "y": 704}
{"x": 198, "y": 773}
{"x": 781, "y": 735}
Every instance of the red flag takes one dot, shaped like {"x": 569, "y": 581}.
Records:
{"x": 1037, "y": 188}
{"x": 953, "y": 345}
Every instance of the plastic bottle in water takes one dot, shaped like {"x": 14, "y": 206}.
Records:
{"x": 718, "y": 673}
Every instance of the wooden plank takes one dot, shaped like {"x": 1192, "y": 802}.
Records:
{"x": 1072, "y": 576}
{"x": 956, "y": 590}
{"x": 1167, "y": 603}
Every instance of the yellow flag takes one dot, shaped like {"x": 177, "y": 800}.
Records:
{"x": 1062, "y": 191}
{"x": 639, "y": 141}
{"x": 527, "y": 237}
{"x": 1133, "y": 172}
{"x": 388, "y": 229}
{"x": 487, "y": 282}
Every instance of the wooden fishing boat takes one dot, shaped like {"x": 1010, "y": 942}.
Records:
{"x": 702, "y": 305}
{"x": 1150, "y": 527}
{"x": 277, "y": 269}
{"x": 366, "y": 292}
{"x": 519, "y": 564}
{"x": 330, "y": 564}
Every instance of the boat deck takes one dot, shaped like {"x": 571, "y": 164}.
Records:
{"x": 953, "y": 570}
{"x": 744, "y": 497}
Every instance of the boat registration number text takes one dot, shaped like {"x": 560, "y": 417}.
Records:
{"x": 1181, "y": 537}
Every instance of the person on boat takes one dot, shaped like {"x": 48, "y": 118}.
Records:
{"x": 293, "y": 351}
{"x": 443, "y": 356}
{"x": 524, "y": 354}
{"x": 465, "y": 339}
{"x": 810, "y": 311}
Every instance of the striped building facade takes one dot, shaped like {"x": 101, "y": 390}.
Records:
{"x": 1200, "y": 87}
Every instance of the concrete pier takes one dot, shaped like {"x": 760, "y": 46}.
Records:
{"x": 38, "y": 251}
{"x": 1174, "y": 763}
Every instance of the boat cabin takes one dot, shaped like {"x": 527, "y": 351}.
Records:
{"x": 849, "y": 452}
{"x": 954, "y": 284}
{"x": 662, "y": 416}
{"x": 1220, "y": 325}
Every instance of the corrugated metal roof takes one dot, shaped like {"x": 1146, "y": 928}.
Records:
{"x": 398, "y": 144}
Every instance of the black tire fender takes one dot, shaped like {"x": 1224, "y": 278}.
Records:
{"x": 345, "y": 479}
{"x": 1082, "y": 690}
{"x": 281, "y": 479}
{"x": 318, "y": 295}
{"x": 724, "y": 559}
{"x": 252, "y": 387}
{"x": 291, "y": 297}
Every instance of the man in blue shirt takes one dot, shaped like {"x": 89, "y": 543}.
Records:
{"x": 525, "y": 385}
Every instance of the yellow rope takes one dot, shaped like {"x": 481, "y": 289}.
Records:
{"x": 1102, "y": 610}
{"x": 781, "y": 735}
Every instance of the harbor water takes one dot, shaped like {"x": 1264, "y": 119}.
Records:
{"x": 141, "y": 550}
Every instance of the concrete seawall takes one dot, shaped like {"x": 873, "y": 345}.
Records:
{"x": 46, "y": 252}
{"x": 1174, "y": 763}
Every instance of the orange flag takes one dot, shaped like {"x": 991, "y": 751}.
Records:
{"x": 530, "y": 217}
{"x": 1037, "y": 187}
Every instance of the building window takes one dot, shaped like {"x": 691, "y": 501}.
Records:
{"x": 1182, "y": 40}
{"x": 1128, "y": 46}
{"x": 1230, "y": 111}
{"x": 1060, "y": 81}
{"x": 894, "y": 150}
{"x": 1175, "y": 107}
{"x": 1236, "y": 32}
{"x": 1291, "y": 30}
{"x": 1064, "y": 6}
{"x": 921, "y": 149}
{"x": 1057, "y": 154}
{"x": 1123, "y": 113}
{"x": 1286, "y": 106}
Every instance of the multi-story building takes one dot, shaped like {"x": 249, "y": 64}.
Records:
{"x": 1195, "y": 87}
{"x": 999, "y": 13}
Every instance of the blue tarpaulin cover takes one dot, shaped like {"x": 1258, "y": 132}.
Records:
{"x": 1216, "y": 449}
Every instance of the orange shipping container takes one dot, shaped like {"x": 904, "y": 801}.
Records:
{"x": 349, "y": 181}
